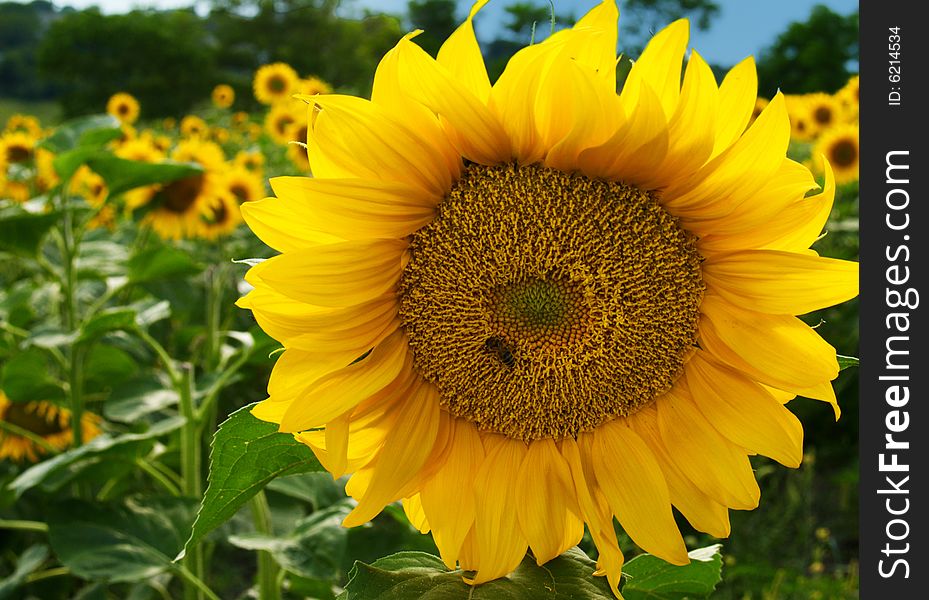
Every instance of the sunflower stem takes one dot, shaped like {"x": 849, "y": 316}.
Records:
{"x": 268, "y": 588}
{"x": 68, "y": 246}
{"x": 191, "y": 454}
{"x": 195, "y": 583}
{"x": 48, "y": 574}
{"x": 37, "y": 526}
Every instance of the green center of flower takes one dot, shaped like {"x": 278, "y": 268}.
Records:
{"x": 542, "y": 303}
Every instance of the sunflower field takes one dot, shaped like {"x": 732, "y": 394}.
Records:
{"x": 584, "y": 328}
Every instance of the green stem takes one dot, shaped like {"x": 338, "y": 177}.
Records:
{"x": 158, "y": 476}
{"x": 191, "y": 455}
{"x": 48, "y": 573}
{"x": 38, "y": 526}
{"x": 268, "y": 588}
{"x": 68, "y": 247}
{"x": 75, "y": 387}
{"x": 195, "y": 582}
{"x": 173, "y": 373}
{"x": 29, "y": 435}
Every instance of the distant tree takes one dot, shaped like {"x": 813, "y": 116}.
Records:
{"x": 162, "y": 59}
{"x": 817, "y": 55}
{"x": 437, "y": 20}
{"x": 21, "y": 28}
{"x": 641, "y": 19}
{"x": 531, "y": 22}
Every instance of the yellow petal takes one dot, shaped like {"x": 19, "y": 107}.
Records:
{"x": 336, "y": 275}
{"x": 744, "y": 412}
{"x": 497, "y": 535}
{"x": 592, "y": 43}
{"x": 413, "y": 507}
{"x": 660, "y": 66}
{"x": 347, "y": 208}
{"x": 737, "y": 173}
{"x": 477, "y": 134}
{"x": 636, "y": 490}
{"x": 544, "y": 492}
{"x": 737, "y": 95}
{"x": 779, "y": 350}
{"x": 368, "y": 141}
{"x": 275, "y": 223}
{"x": 702, "y": 512}
{"x": 778, "y": 282}
{"x": 339, "y": 391}
{"x": 405, "y": 450}
{"x": 801, "y": 223}
{"x": 461, "y": 55}
{"x": 714, "y": 464}
{"x": 448, "y": 497}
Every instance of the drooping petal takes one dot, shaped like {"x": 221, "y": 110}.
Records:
{"x": 778, "y": 282}
{"x": 637, "y": 492}
{"x": 744, "y": 412}
{"x": 544, "y": 492}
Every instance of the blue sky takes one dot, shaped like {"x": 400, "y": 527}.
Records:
{"x": 743, "y": 27}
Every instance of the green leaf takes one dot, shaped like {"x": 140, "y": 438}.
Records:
{"x": 315, "y": 547}
{"x": 30, "y": 560}
{"x": 122, "y": 175}
{"x": 50, "y": 337}
{"x": 317, "y": 489}
{"x": 847, "y": 361}
{"x": 67, "y": 163}
{"x": 22, "y": 232}
{"x": 138, "y": 398}
{"x": 100, "y": 259}
{"x": 417, "y": 575}
{"x": 114, "y": 319}
{"x": 90, "y": 131}
{"x": 109, "y": 365}
{"x": 125, "y": 542}
{"x": 650, "y": 578}
{"x": 60, "y": 469}
{"x": 163, "y": 262}
{"x": 151, "y": 311}
{"x": 246, "y": 454}
{"x": 25, "y": 378}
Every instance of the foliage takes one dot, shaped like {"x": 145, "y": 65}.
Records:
{"x": 642, "y": 18}
{"x": 436, "y": 18}
{"x": 819, "y": 54}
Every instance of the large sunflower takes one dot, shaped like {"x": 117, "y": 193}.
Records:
{"x": 45, "y": 420}
{"x": 530, "y": 306}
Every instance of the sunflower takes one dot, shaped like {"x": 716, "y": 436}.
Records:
{"x": 760, "y": 105}
{"x": 529, "y": 306}
{"x": 178, "y": 209}
{"x": 193, "y": 126}
{"x": 222, "y": 217}
{"x": 124, "y": 107}
{"x": 848, "y": 98}
{"x": 48, "y": 421}
{"x": 250, "y": 160}
{"x": 145, "y": 148}
{"x": 312, "y": 86}
{"x": 824, "y": 110}
{"x": 46, "y": 177}
{"x": 841, "y": 148}
{"x": 17, "y": 147}
{"x": 223, "y": 96}
{"x": 296, "y": 147}
{"x": 244, "y": 185}
{"x": 274, "y": 82}
{"x": 24, "y": 123}
{"x": 239, "y": 118}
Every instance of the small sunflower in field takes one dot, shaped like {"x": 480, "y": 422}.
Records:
{"x": 44, "y": 420}
{"x": 223, "y": 96}
{"x": 17, "y": 147}
{"x": 279, "y": 119}
{"x": 46, "y": 177}
{"x": 274, "y": 82}
{"x": 244, "y": 185}
{"x": 312, "y": 86}
{"x": 168, "y": 123}
{"x": 145, "y": 148}
{"x": 193, "y": 126}
{"x": 296, "y": 147}
{"x": 840, "y": 146}
{"x": 124, "y": 107}
{"x": 527, "y": 307}
{"x": 222, "y": 217}
{"x": 824, "y": 111}
{"x": 239, "y": 118}
{"x": 27, "y": 124}
{"x": 849, "y": 97}
{"x": 250, "y": 160}
{"x": 178, "y": 209}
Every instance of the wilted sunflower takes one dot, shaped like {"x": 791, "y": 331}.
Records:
{"x": 48, "y": 421}
{"x": 124, "y": 107}
{"x": 274, "y": 83}
{"x": 223, "y": 96}
{"x": 534, "y": 305}
{"x": 178, "y": 209}
{"x": 840, "y": 147}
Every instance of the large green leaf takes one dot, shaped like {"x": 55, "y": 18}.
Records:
{"x": 21, "y": 232}
{"x": 161, "y": 262}
{"x": 246, "y": 454}
{"x": 113, "y": 319}
{"x": 138, "y": 398}
{"x": 131, "y": 541}
{"x": 89, "y": 131}
{"x": 30, "y": 560}
{"x": 108, "y": 365}
{"x": 56, "y": 471}
{"x": 650, "y": 578}
{"x": 122, "y": 175}
{"x": 421, "y": 576}
{"x": 25, "y": 378}
{"x": 315, "y": 547}
{"x": 317, "y": 489}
